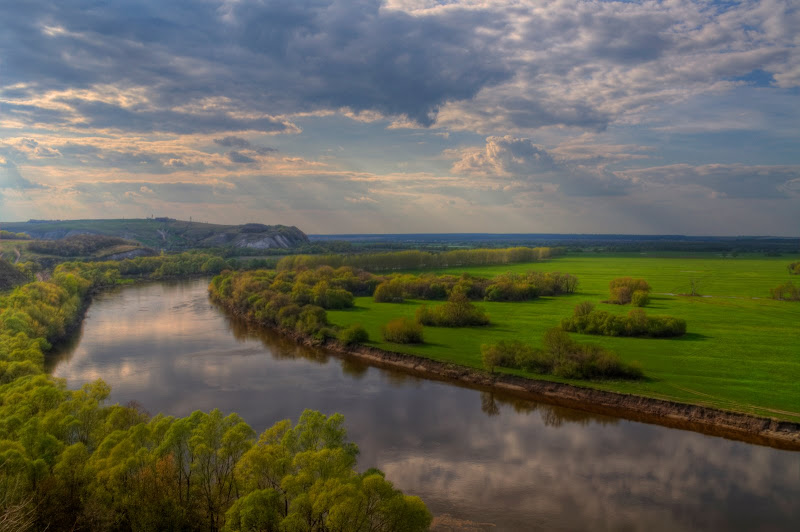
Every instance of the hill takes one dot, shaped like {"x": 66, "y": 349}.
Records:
{"x": 167, "y": 233}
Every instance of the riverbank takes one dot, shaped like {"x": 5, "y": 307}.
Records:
{"x": 712, "y": 421}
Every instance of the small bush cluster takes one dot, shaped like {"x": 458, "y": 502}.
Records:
{"x": 560, "y": 356}
{"x": 457, "y": 312}
{"x": 794, "y": 268}
{"x": 403, "y": 331}
{"x": 586, "y": 320}
{"x": 624, "y": 290}
{"x": 355, "y": 334}
{"x": 786, "y": 292}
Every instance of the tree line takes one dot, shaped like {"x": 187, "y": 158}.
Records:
{"x": 418, "y": 260}
{"x": 77, "y": 245}
{"x": 69, "y": 462}
{"x": 395, "y": 288}
{"x": 9, "y": 235}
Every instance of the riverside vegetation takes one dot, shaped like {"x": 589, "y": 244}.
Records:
{"x": 68, "y": 462}
{"x": 739, "y": 352}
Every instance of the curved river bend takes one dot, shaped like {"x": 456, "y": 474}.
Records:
{"x": 480, "y": 461}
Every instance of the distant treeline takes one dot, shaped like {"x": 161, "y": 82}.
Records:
{"x": 158, "y": 267}
{"x": 8, "y": 235}
{"x": 417, "y": 260}
{"x": 395, "y": 288}
{"x": 77, "y": 245}
{"x": 67, "y": 462}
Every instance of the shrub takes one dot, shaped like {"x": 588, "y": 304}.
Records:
{"x": 355, "y": 334}
{"x": 794, "y": 268}
{"x": 512, "y": 354}
{"x": 584, "y": 308}
{"x": 636, "y": 323}
{"x": 622, "y": 289}
{"x": 457, "y": 312}
{"x": 402, "y": 331}
{"x": 640, "y": 298}
{"x": 562, "y": 357}
{"x": 388, "y": 292}
{"x": 786, "y": 292}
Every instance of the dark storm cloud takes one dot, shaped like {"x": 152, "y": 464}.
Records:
{"x": 273, "y": 58}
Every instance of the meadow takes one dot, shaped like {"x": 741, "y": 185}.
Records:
{"x": 741, "y": 351}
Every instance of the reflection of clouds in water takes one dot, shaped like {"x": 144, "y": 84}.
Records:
{"x": 478, "y": 456}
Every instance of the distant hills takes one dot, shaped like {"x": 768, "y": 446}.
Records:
{"x": 166, "y": 233}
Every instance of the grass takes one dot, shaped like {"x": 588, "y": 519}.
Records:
{"x": 741, "y": 352}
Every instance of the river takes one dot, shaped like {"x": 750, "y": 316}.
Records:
{"x": 480, "y": 461}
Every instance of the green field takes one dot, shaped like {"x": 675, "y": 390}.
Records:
{"x": 741, "y": 352}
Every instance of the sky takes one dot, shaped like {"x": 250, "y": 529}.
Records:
{"x": 406, "y": 116}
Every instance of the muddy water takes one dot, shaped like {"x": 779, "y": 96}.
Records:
{"x": 480, "y": 461}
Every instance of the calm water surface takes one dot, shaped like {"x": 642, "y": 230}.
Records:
{"x": 482, "y": 461}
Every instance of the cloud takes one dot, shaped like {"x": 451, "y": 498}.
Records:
{"x": 727, "y": 180}
{"x": 239, "y": 158}
{"x": 233, "y": 142}
{"x": 519, "y": 159}
{"x": 10, "y": 178}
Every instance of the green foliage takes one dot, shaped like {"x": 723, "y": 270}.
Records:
{"x": 69, "y": 462}
{"x": 506, "y": 287}
{"x": 389, "y": 292}
{"x": 640, "y": 298}
{"x": 457, "y": 312}
{"x": 414, "y": 260}
{"x": 214, "y": 265}
{"x": 403, "y": 331}
{"x": 560, "y": 356}
{"x": 354, "y": 334}
{"x": 512, "y": 354}
{"x": 9, "y": 235}
{"x": 10, "y": 276}
{"x": 794, "y": 268}
{"x": 786, "y": 292}
{"x": 635, "y": 323}
{"x": 77, "y": 245}
{"x": 623, "y": 288}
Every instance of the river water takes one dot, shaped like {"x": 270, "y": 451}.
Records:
{"x": 480, "y": 461}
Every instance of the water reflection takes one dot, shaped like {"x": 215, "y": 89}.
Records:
{"x": 475, "y": 457}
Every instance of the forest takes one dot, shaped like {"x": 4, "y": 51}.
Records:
{"x": 70, "y": 462}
